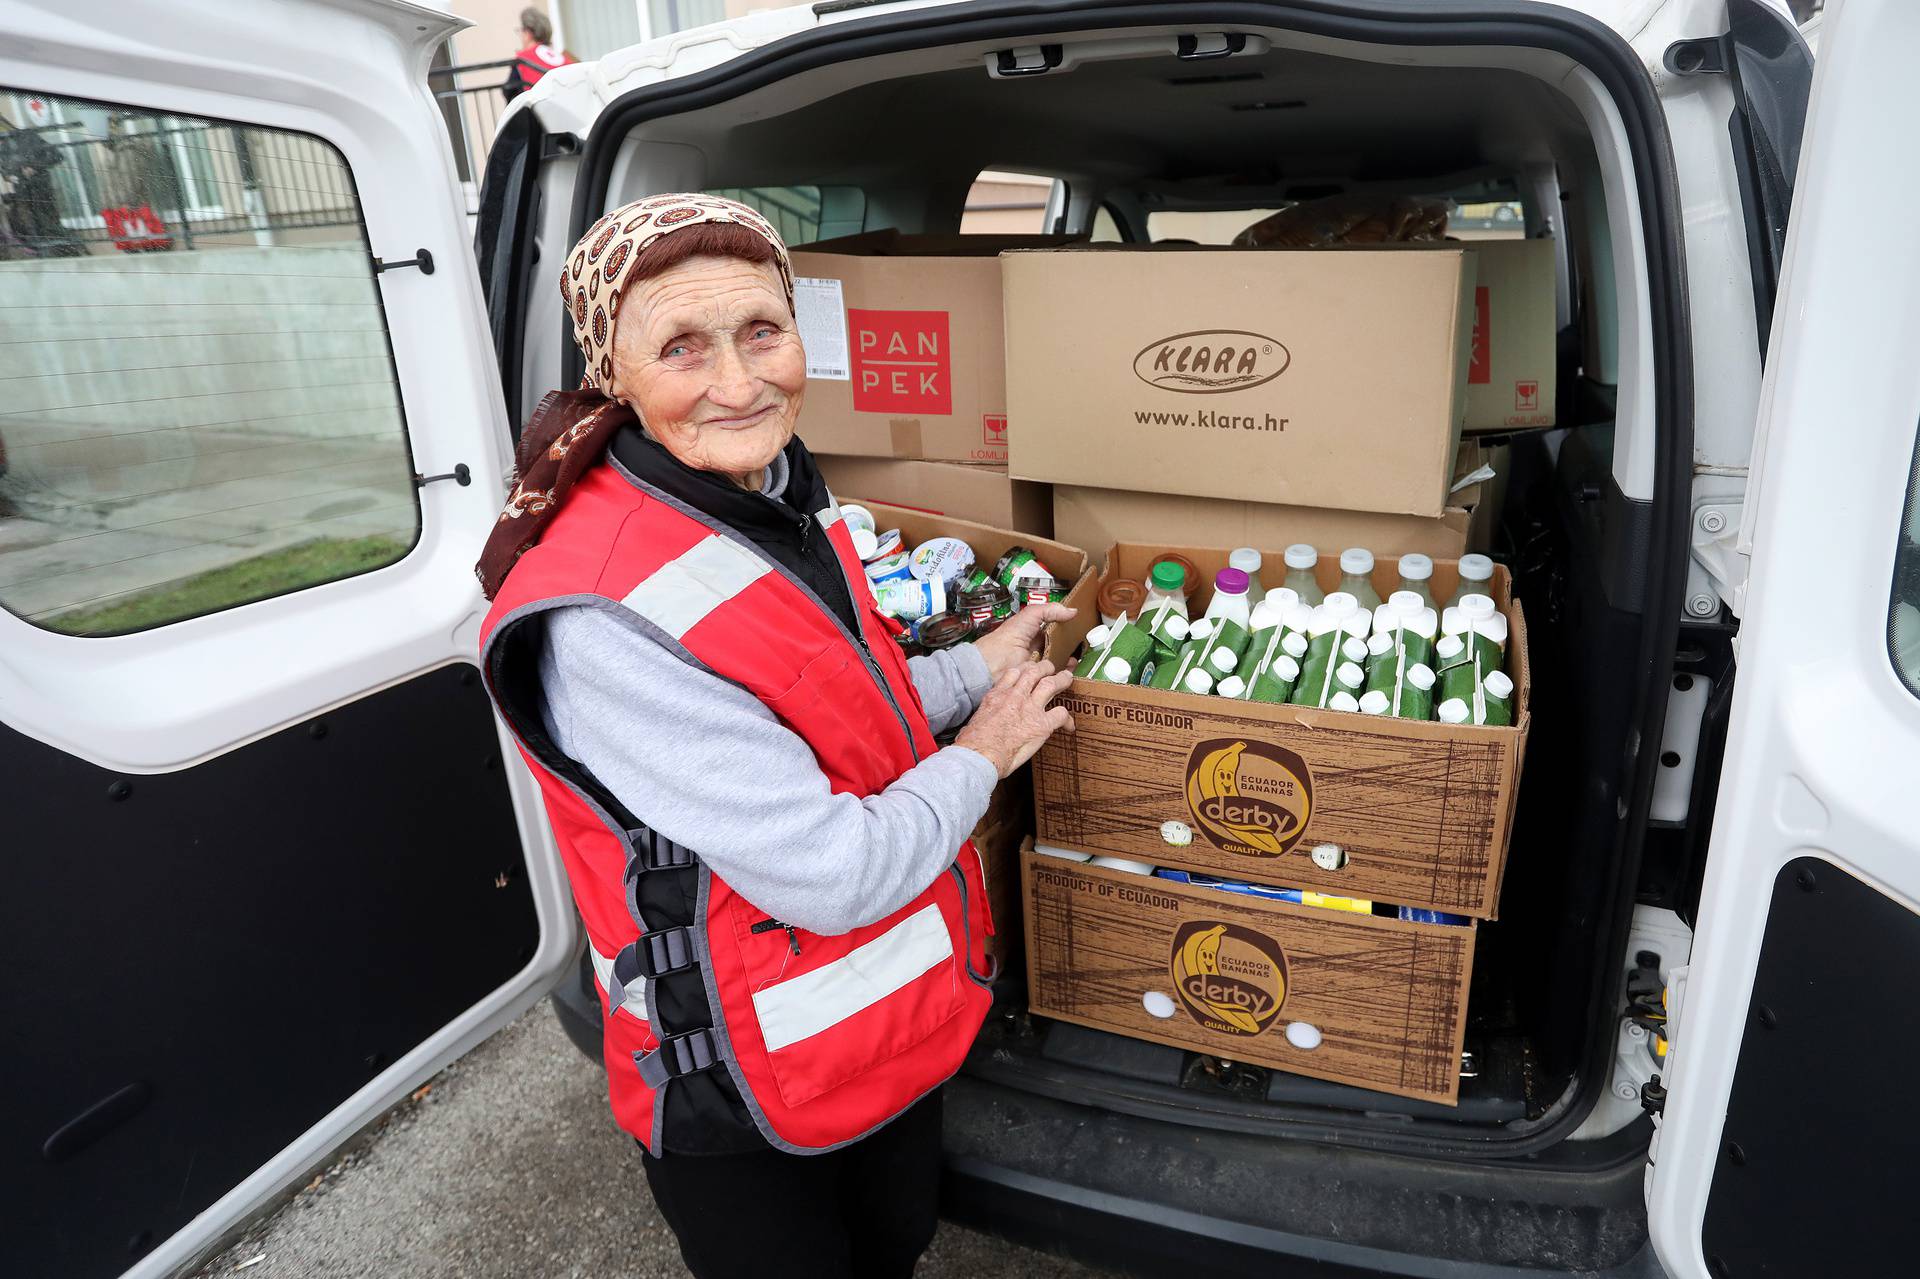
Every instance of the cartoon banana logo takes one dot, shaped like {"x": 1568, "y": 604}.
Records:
{"x": 1249, "y": 797}
{"x": 1229, "y": 978}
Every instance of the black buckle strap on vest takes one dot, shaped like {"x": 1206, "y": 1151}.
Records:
{"x": 656, "y": 953}
{"x": 653, "y": 851}
{"x": 678, "y": 1055}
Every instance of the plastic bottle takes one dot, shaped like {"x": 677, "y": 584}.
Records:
{"x": 1416, "y": 575}
{"x": 1476, "y": 578}
{"x": 1231, "y": 590}
{"x": 1301, "y": 559}
{"x": 1168, "y": 581}
{"x": 1248, "y": 561}
{"x": 1356, "y": 576}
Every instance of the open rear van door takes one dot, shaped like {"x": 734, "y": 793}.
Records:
{"x": 268, "y": 866}
{"x": 1786, "y": 1145}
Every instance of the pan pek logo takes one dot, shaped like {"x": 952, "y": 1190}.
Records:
{"x": 1230, "y": 979}
{"x": 1209, "y": 361}
{"x": 1249, "y": 797}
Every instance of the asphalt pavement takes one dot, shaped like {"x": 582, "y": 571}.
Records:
{"x": 509, "y": 1165}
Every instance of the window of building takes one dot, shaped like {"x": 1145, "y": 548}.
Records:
{"x": 803, "y": 215}
{"x": 200, "y": 406}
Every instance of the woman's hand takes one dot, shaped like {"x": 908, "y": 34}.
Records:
{"x": 1016, "y": 638}
{"x": 1014, "y": 720}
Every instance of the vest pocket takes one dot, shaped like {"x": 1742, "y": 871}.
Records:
{"x": 847, "y": 1003}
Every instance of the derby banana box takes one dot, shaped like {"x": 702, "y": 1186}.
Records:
{"x": 1376, "y": 1003}
{"x": 1415, "y": 813}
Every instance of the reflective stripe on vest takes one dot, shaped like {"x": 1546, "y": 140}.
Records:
{"x": 635, "y": 1000}
{"x": 791, "y": 1011}
{"x": 681, "y": 592}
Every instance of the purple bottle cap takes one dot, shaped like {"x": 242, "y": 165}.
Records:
{"x": 1231, "y": 580}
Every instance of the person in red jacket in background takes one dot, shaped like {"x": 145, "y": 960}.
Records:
{"x": 536, "y": 57}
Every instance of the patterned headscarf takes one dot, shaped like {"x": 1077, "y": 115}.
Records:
{"x": 570, "y": 430}
{"x": 594, "y": 280}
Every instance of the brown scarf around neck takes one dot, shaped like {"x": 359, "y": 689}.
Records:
{"x": 565, "y": 438}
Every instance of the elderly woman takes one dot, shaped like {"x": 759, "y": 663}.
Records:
{"x": 767, "y": 844}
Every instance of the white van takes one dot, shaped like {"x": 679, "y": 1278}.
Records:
{"x": 269, "y": 866}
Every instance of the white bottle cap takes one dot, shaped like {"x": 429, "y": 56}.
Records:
{"x": 1098, "y": 636}
{"x": 1232, "y": 686}
{"x": 1300, "y": 555}
{"x": 1449, "y": 646}
{"x": 1475, "y": 568}
{"x": 1340, "y": 603}
{"x": 1500, "y": 684}
{"x": 1406, "y": 603}
{"x": 1453, "y": 711}
{"x": 1475, "y": 607}
{"x": 1356, "y": 559}
{"x": 1286, "y": 597}
{"x": 1294, "y": 644}
{"x": 1343, "y": 701}
{"x": 1416, "y": 567}
{"x": 1354, "y": 649}
{"x": 1350, "y": 674}
{"x": 1286, "y": 668}
{"x": 1199, "y": 682}
{"x": 1244, "y": 558}
{"x": 1201, "y": 629}
{"x": 1118, "y": 670}
{"x": 1223, "y": 660}
{"x": 1374, "y": 703}
{"x": 1420, "y": 675}
{"x": 1176, "y": 627}
{"x": 1380, "y": 645}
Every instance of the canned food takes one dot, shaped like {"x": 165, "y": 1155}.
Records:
{"x": 942, "y": 630}
{"x": 985, "y": 606}
{"x": 942, "y": 559}
{"x": 1019, "y": 562}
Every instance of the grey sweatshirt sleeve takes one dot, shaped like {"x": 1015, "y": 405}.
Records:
{"x": 706, "y": 764}
{"x": 951, "y": 684}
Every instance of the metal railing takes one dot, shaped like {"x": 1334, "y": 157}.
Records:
{"x": 471, "y": 98}
{"x": 172, "y": 185}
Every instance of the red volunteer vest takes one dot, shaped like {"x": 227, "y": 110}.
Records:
{"x": 825, "y": 1038}
{"x": 536, "y": 60}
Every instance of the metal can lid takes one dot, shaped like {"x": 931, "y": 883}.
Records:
{"x": 942, "y": 630}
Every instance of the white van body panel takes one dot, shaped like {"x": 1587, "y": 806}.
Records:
{"x": 1823, "y": 735}
{"x": 354, "y": 74}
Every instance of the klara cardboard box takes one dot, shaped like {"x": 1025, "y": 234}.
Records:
{"x": 977, "y": 491}
{"x": 1295, "y": 377}
{"x": 1378, "y": 1003}
{"x": 1391, "y": 810}
{"x": 905, "y": 345}
{"x": 1511, "y": 379}
{"x": 1070, "y": 564}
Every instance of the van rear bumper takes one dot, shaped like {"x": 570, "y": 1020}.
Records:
{"x": 1151, "y": 1197}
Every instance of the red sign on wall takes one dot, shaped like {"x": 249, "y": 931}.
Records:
{"x": 902, "y": 362}
{"x": 1480, "y": 371}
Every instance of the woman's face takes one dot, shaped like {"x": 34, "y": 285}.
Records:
{"x": 708, "y": 356}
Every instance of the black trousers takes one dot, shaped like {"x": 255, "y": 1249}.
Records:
{"x": 865, "y": 1210}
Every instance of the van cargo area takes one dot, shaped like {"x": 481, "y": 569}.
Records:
{"x": 1136, "y": 120}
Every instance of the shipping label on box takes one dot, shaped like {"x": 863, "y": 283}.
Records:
{"x": 1313, "y": 378}
{"x": 1377, "y": 1003}
{"x": 1412, "y": 812}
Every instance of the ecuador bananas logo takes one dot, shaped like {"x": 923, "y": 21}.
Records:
{"x": 1249, "y": 797}
{"x": 1231, "y": 979}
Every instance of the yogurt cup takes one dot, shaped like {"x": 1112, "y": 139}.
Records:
{"x": 890, "y": 568}
{"x": 942, "y": 559}
{"x": 910, "y": 599}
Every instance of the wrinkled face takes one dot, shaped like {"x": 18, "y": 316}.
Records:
{"x": 708, "y": 355}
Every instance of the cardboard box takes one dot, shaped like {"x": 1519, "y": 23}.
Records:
{"x": 1069, "y": 563}
{"x": 1421, "y": 811}
{"x": 905, "y": 346}
{"x": 998, "y": 838}
{"x": 1101, "y": 517}
{"x": 1511, "y": 380}
{"x": 972, "y": 491}
{"x": 1330, "y": 379}
{"x": 1382, "y": 1003}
